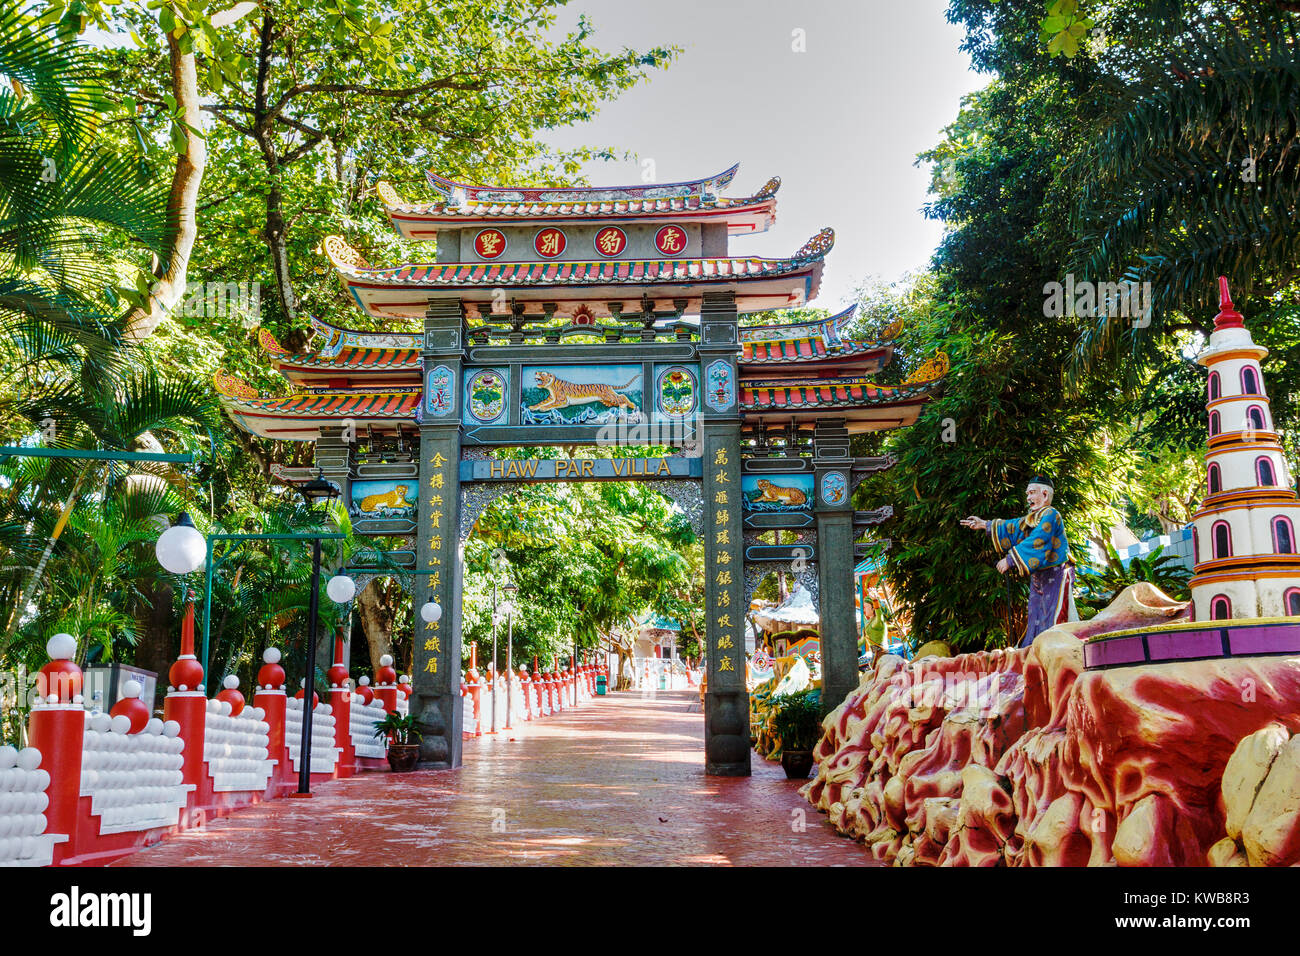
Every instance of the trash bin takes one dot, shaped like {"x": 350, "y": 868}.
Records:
{"x": 600, "y": 685}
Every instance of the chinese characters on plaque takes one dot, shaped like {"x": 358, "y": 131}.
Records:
{"x": 722, "y": 571}
{"x": 433, "y": 504}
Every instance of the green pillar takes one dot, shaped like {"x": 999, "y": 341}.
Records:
{"x": 436, "y": 659}
{"x": 726, "y": 703}
{"x": 834, "y": 511}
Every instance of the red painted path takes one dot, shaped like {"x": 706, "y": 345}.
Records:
{"x": 619, "y": 781}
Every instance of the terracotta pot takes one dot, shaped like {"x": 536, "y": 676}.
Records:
{"x": 796, "y": 763}
{"x": 402, "y": 758}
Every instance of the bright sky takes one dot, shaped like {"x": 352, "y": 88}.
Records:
{"x": 841, "y": 123}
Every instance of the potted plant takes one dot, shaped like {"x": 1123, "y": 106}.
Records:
{"x": 403, "y": 746}
{"x": 797, "y": 722}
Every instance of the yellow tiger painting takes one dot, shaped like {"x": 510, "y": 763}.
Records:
{"x": 774, "y": 494}
{"x": 561, "y": 394}
{"x": 390, "y": 500}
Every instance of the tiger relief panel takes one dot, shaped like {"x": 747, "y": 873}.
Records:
{"x": 582, "y": 395}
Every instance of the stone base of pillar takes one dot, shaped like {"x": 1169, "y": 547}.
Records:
{"x": 440, "y": 746}
{"x": 726, "y": 734}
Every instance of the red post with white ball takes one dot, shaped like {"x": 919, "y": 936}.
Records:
{"x": 187, "y": 704}
{"x": 386, "y": 684}
{"x": 271, "y": 698}
{"x": 55, "y": 727}
{"x": 341, "y": 703}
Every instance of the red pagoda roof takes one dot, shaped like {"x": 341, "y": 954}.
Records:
{"x": 300, "y": 417}
{"x": 758, "y": 283}
{"x": 694, "y": 187}
{"x": 816, "y": 343}
{"x": 865, "y": 405}
{"x": 462, "y": 205}
{"x": 339, "y": 360}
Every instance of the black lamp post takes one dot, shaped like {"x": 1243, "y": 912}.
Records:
{"x": 318, "y": 489}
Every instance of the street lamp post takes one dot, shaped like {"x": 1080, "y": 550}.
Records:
{"x": 318, "y": 489}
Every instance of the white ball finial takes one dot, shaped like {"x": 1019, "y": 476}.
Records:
{"x": 386, "y": 660}
{"x": 271, "y": 655}
{"x": 61, "y": 647}
{"x": 364, "y": 681}
{"x": 131, "y": 688}
{"x": 231, "y": 682}
{"x": 403, "y": 679}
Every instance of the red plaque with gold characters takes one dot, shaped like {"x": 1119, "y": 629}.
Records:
{"x": 549, "y": 243}
{"x": 490, "y": 243}
{"x": 671, "y": 240}
{"x": 611, "y": 241}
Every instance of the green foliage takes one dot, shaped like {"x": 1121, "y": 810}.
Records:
{"x": 404, "y": 728}
{"x": 1188, "y": 168}
{"x": 796, "y": 719}
{"x": 587, "y": 558}
{"x": 1156, "y": 568}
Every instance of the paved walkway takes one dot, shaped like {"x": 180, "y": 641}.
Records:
{"x": 619, "y": 781}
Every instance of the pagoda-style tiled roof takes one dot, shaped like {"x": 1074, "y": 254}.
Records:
{"x": 866, "y": 405}
{"x": 804, "y": 350}
{"x": 336, "y": 339}
{"x": 300, "y": 417}
{"x": 816, "y": 343}
{"x": 462, "y": 204}
{"x": 389, "y": 364}
{"x": 823, "y": 393}
{"x": 694, "y": 187}
{"x": 758, "y": 283}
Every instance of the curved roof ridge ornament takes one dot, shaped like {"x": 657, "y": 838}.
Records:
{"x": 229, "y": 386}
{"x": 343, "y": 256}
{"x": 768, "y": 190}
{"x": 932, "y": 369}
{"x": 838, "y": 322}
{"x": 460, "y": 193}
{"x": 818, "y": 246}
{"x": 268, "y": 342}
{"x": 388, "y": 195}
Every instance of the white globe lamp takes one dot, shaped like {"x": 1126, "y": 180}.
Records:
{"x": 431, "y": 612}
{"x": 181, "y": 549}
{"x": 341, "y": 589}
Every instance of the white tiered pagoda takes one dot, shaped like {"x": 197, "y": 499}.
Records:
{"x": 1245, "y": 532}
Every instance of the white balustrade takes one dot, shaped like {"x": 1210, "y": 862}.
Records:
{"x": 362, "y": 728}
{"x": 324, "y": 753}
{"x": 134, "y": 781}
{"x": 467, "y": 710}
{"x": 23, "y": 840}
{"x": 235, "y": 748}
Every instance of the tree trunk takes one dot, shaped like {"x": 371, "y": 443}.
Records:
{"x": 182, "y": 221}
{"x": 159, "y": 641}
{"x": 276, "y": 239}
{"x": 377, "y": 622}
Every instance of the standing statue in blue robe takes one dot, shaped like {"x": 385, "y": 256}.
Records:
{"x": 1035, "y": 545}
